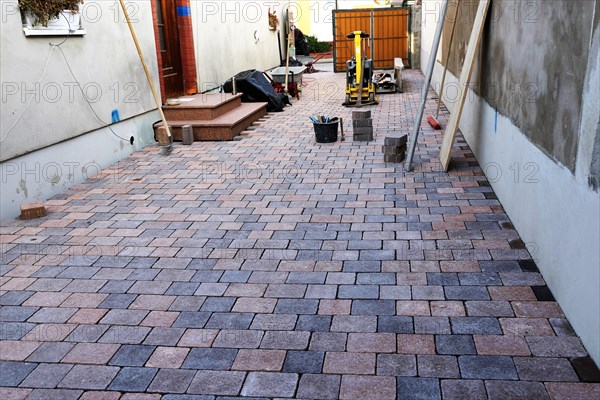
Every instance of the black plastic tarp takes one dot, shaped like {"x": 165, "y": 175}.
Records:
{"x": 255, "y": 88}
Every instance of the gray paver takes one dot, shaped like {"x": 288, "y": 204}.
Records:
{"x": 418, "y": 388}
{"x": 133, "y": 379}
{"x": 303, "y": 362}
{"x": 217, "y": 382}
{"x": 213, "y": 359}
{"x": 324, "y": 387}
{"x": 132, "y": 355}
{"x": 171, "y": 381}
{"x": 487, "y": 367}
{"x": 12, "y": 373}
{"x": 91, "y": 377}
{"x": 270, "y": 384}
{"x": 46, "y": 376}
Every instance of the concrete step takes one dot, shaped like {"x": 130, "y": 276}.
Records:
{"x": 224, "y": 127}
{"x": 202, "y": 107}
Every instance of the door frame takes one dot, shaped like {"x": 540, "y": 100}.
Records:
{"x": 186, "y": 48}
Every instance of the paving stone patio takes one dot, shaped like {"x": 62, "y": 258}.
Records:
{"x": 275, "y": 267}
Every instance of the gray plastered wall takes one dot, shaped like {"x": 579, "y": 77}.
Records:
{"x": 534, "y": 57}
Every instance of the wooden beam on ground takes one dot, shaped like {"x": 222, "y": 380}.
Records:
{"x": 465, "y": 76}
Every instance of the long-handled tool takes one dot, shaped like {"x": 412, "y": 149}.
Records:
{"x": 433, "y": 121}
{"x": 287, "y": 53}
{"x": 342, "y": 129}
{"x": 361, "y": 82}
{"x": 425, "y": 89}
{"x": 139, "y": 50}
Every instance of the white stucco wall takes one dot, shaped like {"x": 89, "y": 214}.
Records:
{"x": 321, "y": 20}
{"x": 555, "y": 212}
{"x": 41, "y": 174}
{"x": 106, "y": 64}
{"x": 234, "y": 36}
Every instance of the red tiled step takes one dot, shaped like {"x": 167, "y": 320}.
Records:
{"x": 224, "y": 127}
{"x": 202, "y": 107}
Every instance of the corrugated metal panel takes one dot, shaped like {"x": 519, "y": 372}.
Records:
{"x": 389, "y": 36}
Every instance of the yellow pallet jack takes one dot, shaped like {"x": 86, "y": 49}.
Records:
{"x": 360, "y": 89}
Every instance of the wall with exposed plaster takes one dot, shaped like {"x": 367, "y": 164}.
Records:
{"x": 545, "y": 189}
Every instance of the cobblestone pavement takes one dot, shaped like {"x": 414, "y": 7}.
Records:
{"x": 276, "y": 267}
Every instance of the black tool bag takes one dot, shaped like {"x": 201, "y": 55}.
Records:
{"x": 255, "y": 88}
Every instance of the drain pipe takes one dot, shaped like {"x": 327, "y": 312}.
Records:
{"x": 425, "y": 90}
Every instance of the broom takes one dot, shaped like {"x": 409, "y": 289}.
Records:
{"x": 433, "y": 121}
{"x": 167, "y": 148}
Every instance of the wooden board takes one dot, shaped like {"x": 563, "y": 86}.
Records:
{"x": 451, "y": 26}
{"x": 465, "y": 76}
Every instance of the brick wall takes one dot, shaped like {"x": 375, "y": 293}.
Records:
{"x": 186, "y": 38}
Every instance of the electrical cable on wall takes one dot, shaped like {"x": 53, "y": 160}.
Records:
{"x": 52, "y": 47}
{"x": 31, "y": 99}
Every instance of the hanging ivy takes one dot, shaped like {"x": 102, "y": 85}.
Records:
{"x": 45, "y": 10}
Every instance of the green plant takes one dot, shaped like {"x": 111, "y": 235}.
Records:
{"x": 45, "y": 10}
{"x": 316, "y": 46}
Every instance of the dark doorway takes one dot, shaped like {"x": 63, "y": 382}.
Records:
{"x": 169, "y": 50}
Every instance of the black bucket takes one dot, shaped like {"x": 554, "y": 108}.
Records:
{"x": 326, "y": 132}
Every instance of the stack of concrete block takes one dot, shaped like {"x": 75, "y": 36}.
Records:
{"x": 362, "y": 125}
{"x": 394, "y": 149}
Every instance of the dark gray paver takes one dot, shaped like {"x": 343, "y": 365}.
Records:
{"x": 487, "y": 367}
{"x": 91, "y": 377}
{"x": 373, "y": 307}
{"x": 171, "y": 381}
{"x": 303, "y": 362}
{"x": 396, "y": 365}
{"x": 230, "y": 321}
{"x": 510, "y": 390}
{"x": 133, "y": 379}
{"x": 475, "y": 326}
{"x": 17, "y": 313}
{"x": 213, "y": 359}
{"x": 461, "y": 389}
{"x": 217, "y": 382}
{"x": 192, "y": 319}
{"x": 314, "y": 323}
{"x": 455, "y": 344}
{"x": 12, "y": 373}
{"x": 163, "y": 336}
{"x": 418, "y": 388}
{"x": 46, "y": 376}
{"x": 324, "y": 387}
{"x": 545, "y": 369}
{"x": 132, "y": 355}
{"x": 395, "y": 324}
{"x": 51, "y": 352}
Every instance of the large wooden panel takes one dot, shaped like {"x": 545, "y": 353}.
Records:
{"x": 389, "y": 30}
{"x": 391, "y": 37}
{"x": 465, "y": 76}
{"x": 346, "y": 22}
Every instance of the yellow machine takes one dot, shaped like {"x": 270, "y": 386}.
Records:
{"x": 360, "y": 89}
